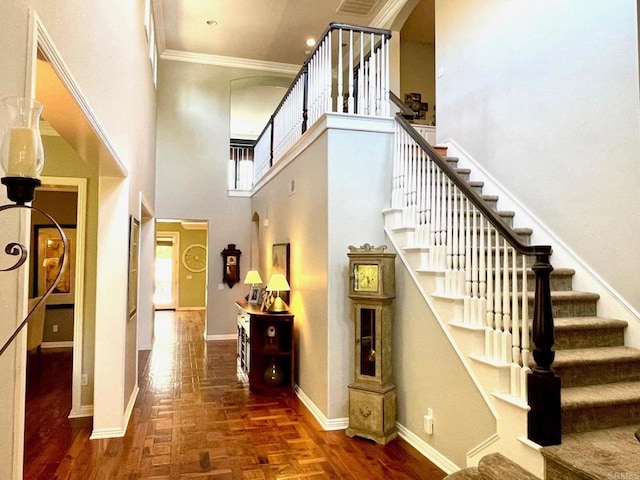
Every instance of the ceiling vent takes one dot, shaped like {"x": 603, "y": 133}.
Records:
{"x": 357, "y": 7}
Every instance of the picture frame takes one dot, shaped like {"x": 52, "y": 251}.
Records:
{"x": 255, "y": 295}
{"x": 281, "y": 263}
{"x": 47, "y": 256}
{"x": 132, "y": 291}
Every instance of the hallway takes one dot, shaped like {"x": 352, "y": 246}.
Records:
{"x": 195, "y": 419}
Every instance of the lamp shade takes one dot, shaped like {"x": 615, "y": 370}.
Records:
{"x": 278, "y": 283}
{"x": 252, "y": 277}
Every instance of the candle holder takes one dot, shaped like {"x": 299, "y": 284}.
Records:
{"x": 22, "y": 158}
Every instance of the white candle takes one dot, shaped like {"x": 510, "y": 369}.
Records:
{"x": 22, "y": 152}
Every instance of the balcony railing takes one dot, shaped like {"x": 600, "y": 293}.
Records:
{"x": 240, "y": 168}
{"x": 348, "y": 72}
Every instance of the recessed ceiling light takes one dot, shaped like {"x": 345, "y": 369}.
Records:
{"x": 310, "y": 42}
{"x": 212, "y": 23}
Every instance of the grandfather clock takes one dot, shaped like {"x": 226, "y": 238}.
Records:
{"x": 372, "y": 396}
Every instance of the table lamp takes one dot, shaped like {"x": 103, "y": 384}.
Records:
{"x": 278, "y": 283}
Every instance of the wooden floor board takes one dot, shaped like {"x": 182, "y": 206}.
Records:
{"x": 195, "y": 418}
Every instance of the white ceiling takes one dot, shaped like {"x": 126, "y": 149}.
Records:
{"x": 273, "y": 30}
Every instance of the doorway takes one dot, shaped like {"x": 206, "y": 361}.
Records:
{"x": 166, "y": 271}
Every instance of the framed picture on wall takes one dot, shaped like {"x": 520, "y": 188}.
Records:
{"x": 280, "y": 263}
{"x": 132, "y": 296}
{"x": 47, "y": 263}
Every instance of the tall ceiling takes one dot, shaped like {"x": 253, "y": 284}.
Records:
{"x": 275, "y": 30}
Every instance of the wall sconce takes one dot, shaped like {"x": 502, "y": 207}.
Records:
{"x": 22, "y": 159}
{"x": 278, "y": 283}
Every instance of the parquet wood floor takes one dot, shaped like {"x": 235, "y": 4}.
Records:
{"x": 194, "y": 418}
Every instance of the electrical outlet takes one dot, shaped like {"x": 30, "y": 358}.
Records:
{"x": 55, "y": 328}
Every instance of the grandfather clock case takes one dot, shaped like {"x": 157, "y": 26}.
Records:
{"x": 372, "y": 396}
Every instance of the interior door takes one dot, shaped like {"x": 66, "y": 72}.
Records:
{"x": 166, "y": 271}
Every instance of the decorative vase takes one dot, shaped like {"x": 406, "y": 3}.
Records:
{"x": 273, "y": 373}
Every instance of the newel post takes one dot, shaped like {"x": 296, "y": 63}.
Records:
{"x": 543, "y": 385}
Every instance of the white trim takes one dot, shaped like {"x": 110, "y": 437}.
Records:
{"x": 80, "y": 187}
{"x": 85, "y": 411}
{"x": 433, "y": 455}
{"x": 337, "y": 121}
{"x": 175, "y": 268}
{"x": 388, "y": 13}
{"x": 325, "y": 423}
{"x": 232, "y": 62}
{"x": 191, "y": 309}
{"x": 45, "y": 43}
{"x": 226, "y": 336}
{"x": 102, "y": 433}
{"x": 64, "y": 344}
{"x": 482, "y": 446}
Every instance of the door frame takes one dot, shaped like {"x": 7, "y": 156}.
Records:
{"x": 175, "y": 268}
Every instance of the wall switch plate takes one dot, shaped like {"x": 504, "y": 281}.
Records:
{"x": 428, "y": 422}
{"x": 221, "y": 286}
{"x": 55, "y": 328}
{"x": 85, "y": 379}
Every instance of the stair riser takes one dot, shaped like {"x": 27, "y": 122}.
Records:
{"x": 598, "y": 373}
{"x": 568, "y": 339}
{"x": 569, "y": 308}
{"x": 577, "y": 420}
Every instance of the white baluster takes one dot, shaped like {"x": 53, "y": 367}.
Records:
{"x": 515, "y": 327}
{"x": 525, "y": 332}
{"x": 351, "y": 74}
{"x": 455, "y": 234}
{"x": 474, "y": 268}
{"x": 468, "y": 275}
{"x": 339, "y": 96}
{"x": 491, "y": 325}
{"x": 372, "y": 78}
{"x": 448, "y": 237}
{"x": 497, "y": 300}
{"x": 482, "y": 274}
{"x": 506, "y": 307}
{"x": 361, "y": 79}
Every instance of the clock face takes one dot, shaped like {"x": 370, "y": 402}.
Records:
{"x": 271, "y": 331}
{"x": 194, "y": 258}
{"x": 366, "y": 278}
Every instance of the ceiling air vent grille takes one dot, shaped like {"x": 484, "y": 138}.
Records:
{"x": 357, "y": 7}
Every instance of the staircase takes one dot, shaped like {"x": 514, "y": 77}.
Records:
{"x": 600, "y": 396}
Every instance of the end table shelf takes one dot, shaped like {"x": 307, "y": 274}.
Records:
{"x": 269, "y": 339}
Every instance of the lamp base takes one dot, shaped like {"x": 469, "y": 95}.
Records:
{"x": 278, "y": 306}
{"x": 21, "y": 190}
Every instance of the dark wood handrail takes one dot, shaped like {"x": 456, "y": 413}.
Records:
{"x": 405, "y": 111}
{"x": 303, "y": 70}
{"x": 495, "y": 220}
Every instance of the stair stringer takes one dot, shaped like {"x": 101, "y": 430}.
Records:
{"x": 611, "y": 304}
{"x": 511, "y": 418}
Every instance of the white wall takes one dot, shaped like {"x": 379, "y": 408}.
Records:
{"x": 112, "y": 74}
{"x": 193, "y": 151}
{"x": 545, "y": 95}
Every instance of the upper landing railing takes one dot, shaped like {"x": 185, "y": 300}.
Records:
{"x": 348, "y": 72}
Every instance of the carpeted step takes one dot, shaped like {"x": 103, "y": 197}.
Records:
{"x": 561, "y": 279}
{"x": 596, "y": 407}
{"x": 580, "y": 367}
{"x": 569, "y": 304}
{"x": 601, "y": 455}
{"x": 588, "y": 332}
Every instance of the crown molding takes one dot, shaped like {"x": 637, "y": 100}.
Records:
{"x": 388, "y": 13}
{"x": 222, "y": 61}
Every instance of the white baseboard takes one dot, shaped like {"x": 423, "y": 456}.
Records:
{"x": 188, "y": 309}
{"x": 84, "y": 411}
{"x": 118, "y": 432}
{"x": 66, "y": 344}
{"x": 325, "y": 423}
{"x": 227, "y": 336}
{"x": 433, "y": 455}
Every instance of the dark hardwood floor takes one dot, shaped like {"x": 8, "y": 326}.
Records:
{"x": 195, "y": 419}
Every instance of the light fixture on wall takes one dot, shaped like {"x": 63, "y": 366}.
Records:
{"x": 278, "y": 283}
{"x": 22, "y": 159}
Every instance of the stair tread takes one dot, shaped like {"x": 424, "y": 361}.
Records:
{"x": 587, "y": 323}
{"x": 569, "y": 295}
{"x": 599, "y": 453}
{"x": 600, "y": 395}
{"x": 578, "y": 356}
